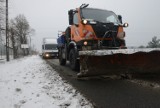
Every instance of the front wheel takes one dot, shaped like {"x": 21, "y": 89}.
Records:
{"x": 74, "y": 63}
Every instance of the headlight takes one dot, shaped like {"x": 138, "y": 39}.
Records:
{"x": 125, "y": 25}
{"x": 85, "y": 43}
{"x": 84, "y": 21}
{"x": 47, "y": 55}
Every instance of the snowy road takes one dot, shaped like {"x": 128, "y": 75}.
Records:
{"x": 112, "y": 92}
{"x": 30, "y": 83}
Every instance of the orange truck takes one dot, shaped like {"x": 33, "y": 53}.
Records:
{"x": 94, "y": 44}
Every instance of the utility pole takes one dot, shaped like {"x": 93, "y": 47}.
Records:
{"x": 30, "y": 45}
{"x": 0, "y": 42}
{"x": 7, "y": 36}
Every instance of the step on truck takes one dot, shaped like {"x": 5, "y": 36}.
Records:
{"x": 94, "y": 44}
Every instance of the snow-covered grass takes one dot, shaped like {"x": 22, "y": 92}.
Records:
{"x": 30, "y": 83}
{"x": 3, "y": 58}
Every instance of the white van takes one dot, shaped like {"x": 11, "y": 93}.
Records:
{"x": 49, "y": 48}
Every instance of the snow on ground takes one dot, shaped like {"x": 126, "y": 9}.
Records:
{"x": 30, "y": 83}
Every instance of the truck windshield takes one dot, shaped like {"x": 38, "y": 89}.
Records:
{"x": 100, "y": 15}
{"x": 50, "y": 47}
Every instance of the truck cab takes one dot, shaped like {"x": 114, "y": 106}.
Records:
{"x": 90, "y": 29}
{"x": 96, "y": 28}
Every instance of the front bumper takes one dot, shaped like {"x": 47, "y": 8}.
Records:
{"x": 49, "y": 54}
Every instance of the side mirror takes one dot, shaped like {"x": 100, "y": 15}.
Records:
{"x": 120, "y": 18}
{"x": 125, "y": 25}
{"x": 70, "y": 14}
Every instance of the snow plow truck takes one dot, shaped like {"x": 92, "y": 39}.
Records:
{"x": 94, "y": 44}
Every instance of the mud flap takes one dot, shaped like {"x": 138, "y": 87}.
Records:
{"x": 109, "y": 62}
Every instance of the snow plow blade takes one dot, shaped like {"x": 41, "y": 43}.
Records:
{"x": 120, "y": 61}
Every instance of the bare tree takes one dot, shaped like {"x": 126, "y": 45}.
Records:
{"x": 13, "y": 38}
{"x": 1, "y": 6}
{"x": 20, "y": 31}
{"x": 2, "y": 26}
{"x": 155, "y": 43}
{"x": 2, "y": 12}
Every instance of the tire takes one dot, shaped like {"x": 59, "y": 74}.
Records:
{"x": 62, "y": 61}
{"x": 68, "y": 35}
{"x": 74, "y": 63}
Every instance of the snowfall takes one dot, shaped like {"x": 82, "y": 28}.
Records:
{"x": 31, "y": 83}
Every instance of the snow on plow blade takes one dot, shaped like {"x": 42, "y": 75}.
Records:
{"x": 121, "y": 61}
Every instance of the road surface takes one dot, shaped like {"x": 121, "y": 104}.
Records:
{"x": 110, "y": 92}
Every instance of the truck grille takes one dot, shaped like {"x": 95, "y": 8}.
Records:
{"x": 101, "y": 28}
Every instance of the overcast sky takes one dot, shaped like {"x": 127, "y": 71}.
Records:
{"x": 47, "y": 17}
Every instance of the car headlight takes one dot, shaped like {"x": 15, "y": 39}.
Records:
{"x": 47, "y": 55}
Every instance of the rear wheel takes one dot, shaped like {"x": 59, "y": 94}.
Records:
{"x": 74, "y": 63}
{"x": 62, "y": 61}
